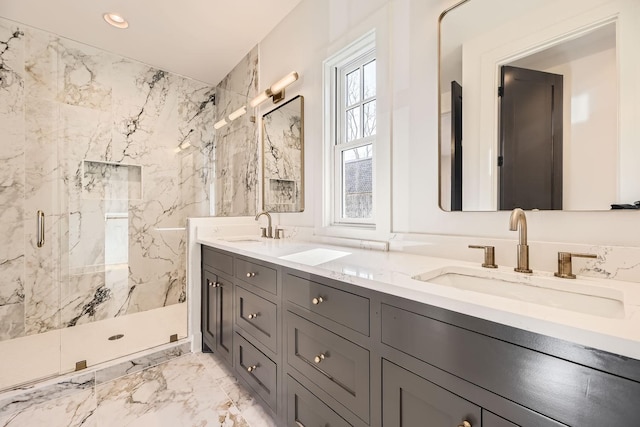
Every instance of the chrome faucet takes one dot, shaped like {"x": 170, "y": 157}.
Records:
{"x": 266, "y": 232}
{"x": 519, "y": 220}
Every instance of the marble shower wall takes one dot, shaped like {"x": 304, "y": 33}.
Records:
{"x": 236, "y": 149}
{"x": 93, "y": 139}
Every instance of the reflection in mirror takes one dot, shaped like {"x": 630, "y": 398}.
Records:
{"x": 282, "y": 158}
{"x": 537, "y": 102}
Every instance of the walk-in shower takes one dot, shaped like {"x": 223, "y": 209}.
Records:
{"x": 103, "y": 159}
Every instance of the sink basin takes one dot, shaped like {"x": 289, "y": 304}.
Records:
{"x": 572, "y": 295}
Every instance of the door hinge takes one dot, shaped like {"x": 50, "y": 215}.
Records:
{"x": 500, "y": 91}
{"x": 500, "y": 160}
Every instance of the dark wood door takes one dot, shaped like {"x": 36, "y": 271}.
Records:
{"x": 409, "y": 400}
{"x": 209, "y": 310}
{"x": 456, "y": 146}
{"x": 530, "y": 139}
{"x": 224, "y": 320}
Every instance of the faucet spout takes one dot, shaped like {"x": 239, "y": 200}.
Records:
{"x": 518, "y": 221}
{"x": 269, "y": 230}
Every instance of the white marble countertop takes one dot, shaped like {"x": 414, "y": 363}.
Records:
{"x": 391, "y": 272}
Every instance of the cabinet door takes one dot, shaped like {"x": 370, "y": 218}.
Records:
{"x": 409, "y": 400}
{"x": 209, "y": 310}
{"x": 490, "y": 419}
{"x": 224, "y": 320}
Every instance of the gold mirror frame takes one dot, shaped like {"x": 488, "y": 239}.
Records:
{"x": 283, "y": 157}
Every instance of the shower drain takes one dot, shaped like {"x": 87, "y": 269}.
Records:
{"x": 116, "y": 337}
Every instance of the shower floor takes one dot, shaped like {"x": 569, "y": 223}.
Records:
{"x": 56, "y": 352}
{"x": 190, "y": 390}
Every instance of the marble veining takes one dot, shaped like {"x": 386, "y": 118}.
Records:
{"x": 89, "y": 136}
{"x": 170, "y": 387}
{"x": 236, "y": 145}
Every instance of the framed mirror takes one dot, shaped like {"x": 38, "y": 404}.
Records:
{"x": 539, "y": 105}
{"x": 283, "y": 157}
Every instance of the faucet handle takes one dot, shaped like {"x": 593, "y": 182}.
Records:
{"x": 489, "y": 255}
{"x": 263, "y": 231}
{"x": 278, "y": 233}
{"x": 564, "y": 264}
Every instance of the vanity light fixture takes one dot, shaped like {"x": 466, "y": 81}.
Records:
{"x": 220, "y": 124}
{"x": 238, "y": 113}
{"x": 275, "y": 91}
{"x": 115, "y": 20}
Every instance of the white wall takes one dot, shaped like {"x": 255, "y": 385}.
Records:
{"x": 408, "y": 117}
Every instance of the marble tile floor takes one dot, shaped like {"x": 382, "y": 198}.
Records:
{"x": 191, "y": 390}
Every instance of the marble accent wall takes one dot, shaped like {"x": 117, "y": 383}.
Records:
{"x": 93, "y": 140}
{"x": 236, "y": 149}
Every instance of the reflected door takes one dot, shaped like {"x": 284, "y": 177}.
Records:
{"x": 530, "y": 159}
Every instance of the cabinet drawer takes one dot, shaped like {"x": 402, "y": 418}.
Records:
{"x": 257, "y": 316}
{"x": 257, "y": 370}
{"x": 338, "y": 366}
{"x": 345, "y": 308}
{"x": 564, "y": 391}
{"x": 489, "y": 419}
{"x": 307, "y": 410}
{"x": 257, "y": 275}
{"x": 218, "y": 260}
{"x": 410, "y": 400}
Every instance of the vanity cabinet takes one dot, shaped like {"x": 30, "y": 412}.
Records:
{"x": 320, "y": 351}
{"x": 408, "y": 400}
{"x": 217, "y": 307}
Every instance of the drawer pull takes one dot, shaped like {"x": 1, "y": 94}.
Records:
{"x": 252, "y": 368}
{"x": 251, "y": 274}
{"x": 209, "y": 282}
{"x": 319, "y": 358}
{"x": 253, "y": 315}
{"x": 465, "y": 423}
{"x": 317, "y": 300}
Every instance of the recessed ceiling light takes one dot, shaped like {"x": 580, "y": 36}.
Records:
{"x": 116, "y": 20}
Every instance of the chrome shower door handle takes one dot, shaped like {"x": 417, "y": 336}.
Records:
{"x": 40, "y": 230}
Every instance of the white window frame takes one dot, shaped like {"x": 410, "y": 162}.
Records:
{"x": 336, "y": 68}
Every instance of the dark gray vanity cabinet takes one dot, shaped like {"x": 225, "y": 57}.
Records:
{"x": 241, "y": 321}
{"x": 217, "y": 304}
{"x": 322, "y": 352}
{"x": 410, "y": 400}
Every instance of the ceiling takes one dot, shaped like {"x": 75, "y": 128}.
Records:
{"x": 201, "y": 39}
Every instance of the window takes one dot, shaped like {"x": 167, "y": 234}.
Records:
{"x": 353, "y": 133}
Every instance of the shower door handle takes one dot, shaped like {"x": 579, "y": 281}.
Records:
{"x": 40, "y": 231}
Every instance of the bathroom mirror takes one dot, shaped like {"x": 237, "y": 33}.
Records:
{"x": 283, "y": 157}
{"x": 539, "y": 105}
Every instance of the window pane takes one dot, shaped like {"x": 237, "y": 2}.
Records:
{"x": 369, "y": 119}
{"x": 353, "y": 87}
{"x": 353, "y": 124}
{"x": 370, "y": 80}
{"x": 357, "y": 182}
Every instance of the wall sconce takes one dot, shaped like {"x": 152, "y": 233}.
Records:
{"x": 275, "y": 91}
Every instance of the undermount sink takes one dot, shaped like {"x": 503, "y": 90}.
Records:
{"x": 566, "y": 294}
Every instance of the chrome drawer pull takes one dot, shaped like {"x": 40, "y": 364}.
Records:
{"x": 319, "y": 358}
{"x": 251, "y": 274}
{"x": 253, "y": 315}
{"x": 252, "y": 368}
{"x": 317, "y": 300}
{"x": 465, "y": 423}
